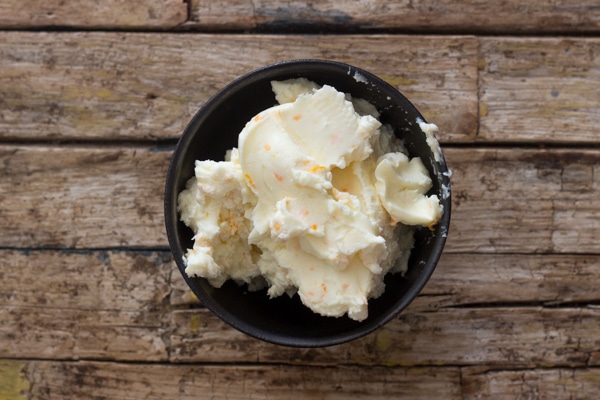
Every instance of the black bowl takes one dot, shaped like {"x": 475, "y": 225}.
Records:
{"x": 215, "y": 128}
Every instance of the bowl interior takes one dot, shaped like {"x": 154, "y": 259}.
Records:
{"x": 215, "y": 128}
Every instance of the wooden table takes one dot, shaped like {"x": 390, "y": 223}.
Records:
{"x": 93, "y": 96}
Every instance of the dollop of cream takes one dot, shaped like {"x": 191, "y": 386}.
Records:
{"x": 402, "y": 185}
{"x": 317, "y": 200}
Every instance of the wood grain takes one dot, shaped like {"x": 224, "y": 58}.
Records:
{"x": 94, "y": 380}
{"x": 415, "y": 15}
{"x": 91, "y": 14}
{"x": 533, "y": 86}
{"x": 95, "y": 304}
{"x": 127, "y": 306}
{"x": 470, "y": 16}
{"x": 519, "y": 200}
{"x": 78, "y": 88}
{"x": 555, "y": 384}
{"x": 493, "y": 336}
{"x": 82, "y": 197}
{"x": 48, "y": 379}
{"x": 91, "y": 302}
{"x": 504, "y": 200}
{"x": 78, "y": 85}
{"x": 478, "y": 305}
{"x": 102, "y": 380}
{"x": 467, "y": 279}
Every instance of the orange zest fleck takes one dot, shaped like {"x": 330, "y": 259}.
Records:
{"x": 297, "y": 117}
{"x": 314, "y": 227}
{"x": 267, "y": 147}
{"x": 278, "y": 177}
{"x": 276, "y": 226}
{"x": 316, "y": 168}
{"x": 257, "y": 118}
{"x": 324, "y": 287}
{"x": 250, "y": 181}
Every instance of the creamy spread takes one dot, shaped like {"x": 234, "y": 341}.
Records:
{"x": 429, "y": 130}
{"x": 318, "y": 199}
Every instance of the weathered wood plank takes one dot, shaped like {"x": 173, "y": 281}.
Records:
{"x": 104, "y": 380}
{"x": 418, "y": 16}
{"x": 504, "y": 200}
{"x": 546, "y": 384}
{"x": 518, "y": 200}
{"x": 471, "y": 279}
{"x": 113, "y": 86}
{"x": 56, "y": 333}
{"x": 91, "y": 14}
{"x": 541, "y": 90}
{"x": 82, "y": 197}
{"x": 87, "y": 280}
{"x": 415, "y": 15}
{"x": 112, "y": 304}
{"x": 58, "y": 380}
{"x": 498, "y": 336}
{"x": 96, "y": 304}
{"x": 76, "y": 85}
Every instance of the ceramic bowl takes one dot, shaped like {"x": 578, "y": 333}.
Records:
{"x": 215, "y": 128}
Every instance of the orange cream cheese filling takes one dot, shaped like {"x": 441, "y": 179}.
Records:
{"x": 317, "y": 199}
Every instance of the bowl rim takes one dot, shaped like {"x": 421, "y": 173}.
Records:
{"x": 171, "y": 218}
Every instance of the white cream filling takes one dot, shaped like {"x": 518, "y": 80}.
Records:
{"x": 315, "y": 200}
